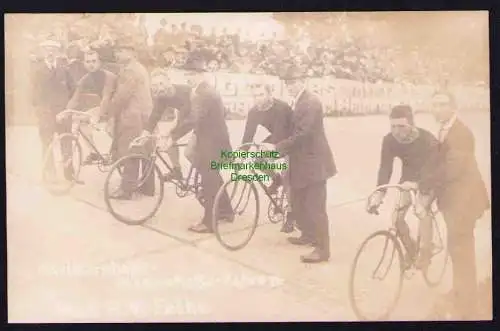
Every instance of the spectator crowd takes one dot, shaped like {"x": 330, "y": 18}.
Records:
{"x": 173, "y": 45}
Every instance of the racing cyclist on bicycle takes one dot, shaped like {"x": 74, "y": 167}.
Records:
{"x": 168, "y": 96}
{"x": 414, "y": 147}
{"x": 92, "y": 94}
{"x": 275, "y": 116}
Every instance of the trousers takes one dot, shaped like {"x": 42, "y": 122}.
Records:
{"x": 309, "y": 211}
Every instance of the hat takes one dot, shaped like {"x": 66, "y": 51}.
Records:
{"x": 50, "y": 43}
{"x": 195, "y": 62}
{"x": 292, "y": 72}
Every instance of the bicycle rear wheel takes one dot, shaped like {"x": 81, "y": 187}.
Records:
{"x": 366, "y": 256}
{"x": 434, "y": 273}
{"x": 235, "y": 214}
{"x": 61, "y": 164}
{"x": 139, "y": 181}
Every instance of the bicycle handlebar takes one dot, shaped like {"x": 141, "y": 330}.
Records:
{"x": 86, "y": 115}
{"x": 399, "y": 187}
{"x": 139, "y": 141}
{"x": 67, "y": 112}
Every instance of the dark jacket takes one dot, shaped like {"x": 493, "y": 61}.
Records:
{"x": 454, "y": 175}
{"x": 52, "y": 88}
{"x": 207, "y": 122}
{"x": 311, "y": 159}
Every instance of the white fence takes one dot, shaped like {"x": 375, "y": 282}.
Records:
{"x": 340, "y": 97}
{"x": 343, "y": 97}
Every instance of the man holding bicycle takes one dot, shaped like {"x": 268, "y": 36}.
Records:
{"x": 462, "y": 198}
{"x": 414, "y": 146}
{"x": 311, "y": 165}
{"x": 130, "y": 107}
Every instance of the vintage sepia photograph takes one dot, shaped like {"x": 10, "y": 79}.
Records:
{"x": 248, "y": 167}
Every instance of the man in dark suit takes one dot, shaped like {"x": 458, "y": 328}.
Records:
{"x": 209, "y": 127}
{"x": 130, "y": 107}
{"x": 53, "y": 86}
{"x": 462, "y": 198}
{"x": 311, "y": 165}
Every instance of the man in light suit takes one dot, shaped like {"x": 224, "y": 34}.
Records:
{"x": 130, "y": 107}
{"x": 311, "y": 165}
{"x": 462, "y": 198}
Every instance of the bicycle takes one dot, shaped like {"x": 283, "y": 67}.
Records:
{"x": 407, "y": 266}
{"x": 54, "y": 159}
{"x": 148, "y": 171}
{"x": 277, "y": 207}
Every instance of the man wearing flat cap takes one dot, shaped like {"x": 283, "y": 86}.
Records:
{"x": 130, "y": 107}
{"x": 53, "y": 86}
{"x": 207, "y": 122}
{"x": 311, "y": 164}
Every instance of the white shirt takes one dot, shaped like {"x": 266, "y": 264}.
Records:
{"x": 445, "y": 128}
{"x": 294, "y": 101}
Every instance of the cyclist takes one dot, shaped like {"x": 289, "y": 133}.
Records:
{"x": 168, "y": 96}
{"x": 93, "y": 93}
{"x": 274, "y": 115}
{"x": 415, "y": 147}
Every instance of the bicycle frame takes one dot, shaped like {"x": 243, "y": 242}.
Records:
{"x": 264, "y": 187}
{"x": 90, "y": 144}
{"x": 79, "y": 133}
{"x": 393, "y": 228}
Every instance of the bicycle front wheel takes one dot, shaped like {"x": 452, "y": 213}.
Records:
{"x": 235, "y": 214}
{"x": 377, "y": 277}
{"x": 61, "y": 164}
{"x": 133, "y": 190}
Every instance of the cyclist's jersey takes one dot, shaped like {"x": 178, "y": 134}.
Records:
{"x": 93, "y": 82}
{"x": 180, "y": 100}
{"x": 414, "y": 156}
{"x": 277, "y": 120}
{"x": 90, "y": 89}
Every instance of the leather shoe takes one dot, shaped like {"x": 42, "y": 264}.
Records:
{"x": 121, "y": 195}
{"x": 71, "y": 178}
{"x": 200, "y": 228}
{"x": 226, "y": 219}
{"x": 300, "y": 241}
{"x": 315, "y": 257}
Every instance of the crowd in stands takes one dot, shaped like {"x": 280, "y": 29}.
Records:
{"x": 329, "y": 55}
{"x": 172, "y": 45}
